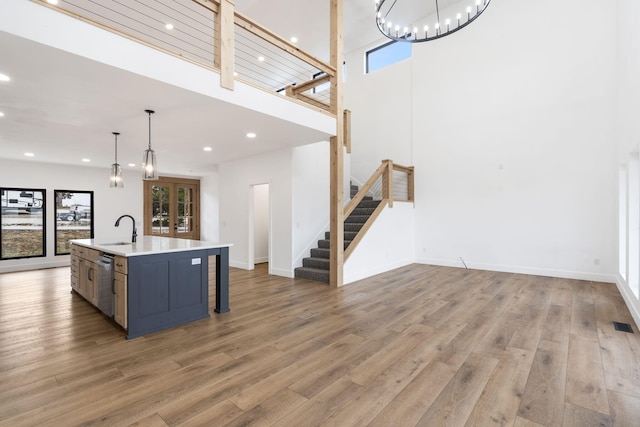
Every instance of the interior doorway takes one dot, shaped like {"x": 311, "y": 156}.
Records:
{"x": 260, "y": 238}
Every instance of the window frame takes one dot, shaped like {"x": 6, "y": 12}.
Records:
{"x": 42, "y": 208}
{"x": 378, "y": 48}
{"x": 57, "y": 218}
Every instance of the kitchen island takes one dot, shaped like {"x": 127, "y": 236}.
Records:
{"x": 155, "y": 284}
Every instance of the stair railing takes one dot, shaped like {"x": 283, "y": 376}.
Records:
{"x": 388, "y": 183}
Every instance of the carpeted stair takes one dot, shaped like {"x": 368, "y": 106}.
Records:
{"x": 316, "y": 267}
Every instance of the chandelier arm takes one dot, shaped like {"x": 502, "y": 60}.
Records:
{"x": 390, "y": 7}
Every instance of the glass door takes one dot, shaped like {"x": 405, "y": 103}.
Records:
{"x": 171, "y": 208}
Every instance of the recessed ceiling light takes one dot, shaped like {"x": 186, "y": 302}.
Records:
{"x": 294, "y": 40}
{"x": 4, "y": 78}
{"x": 235, "y": 74}
{"x": 261, "y": 58}
{"x": 1, "y": 114}
{"x": 29, "y": 154}
{"x": 169, "y": 26}
{"x": 207, "y": 149}
{"x": 52, "y": 1}
{"x": 251, "y": 135}
{"x": 86, "y": 160}
{"x": 132, "y": 165}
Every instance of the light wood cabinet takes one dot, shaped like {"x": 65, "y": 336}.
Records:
{"x": 84, "y": 280}
{"x": 83, "y": 272}
{"x": 120, "y": 291}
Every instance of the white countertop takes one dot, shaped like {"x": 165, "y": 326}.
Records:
{"x": 147, "y": 245}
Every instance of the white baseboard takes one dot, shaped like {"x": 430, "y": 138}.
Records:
{"x": 563, "y": 274}
{"x": 261, "y": 260}
{"x": 35, "y": 266}
{"x": 281, "y": 272}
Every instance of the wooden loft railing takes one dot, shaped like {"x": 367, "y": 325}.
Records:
{"x": 212, "y": 34}
{"x": 228, "y": 23}
{"x": 388, "y": 183}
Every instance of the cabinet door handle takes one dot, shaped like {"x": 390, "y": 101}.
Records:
{"x": 90, "y": 274}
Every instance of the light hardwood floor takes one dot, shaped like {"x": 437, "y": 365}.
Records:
{"x": 422, "y": 345}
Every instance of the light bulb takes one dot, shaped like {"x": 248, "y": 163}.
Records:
{"x": 448, "y": 21}
{"x": 458, "y": 16}
{"x": 469, "y": 9}
{"x": 405, "y": 30}
{"x": 389, "y": 25}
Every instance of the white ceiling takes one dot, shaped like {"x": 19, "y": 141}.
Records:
{"x": 63, "y": 107}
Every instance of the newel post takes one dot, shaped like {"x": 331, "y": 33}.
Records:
{"x": 336, "y": 172}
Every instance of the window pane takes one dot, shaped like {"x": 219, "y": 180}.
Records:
{"x": 185, "y": 209}
{"x": 387, "y": 54}
{"x": 22, "y": 230}
{"x": 160, "y": 210}
{"x": 74, "y": 218}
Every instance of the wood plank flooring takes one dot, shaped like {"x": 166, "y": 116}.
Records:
{"x": 418, "y": 346}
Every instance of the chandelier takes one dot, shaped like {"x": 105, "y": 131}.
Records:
{"x": 402, "y": 21}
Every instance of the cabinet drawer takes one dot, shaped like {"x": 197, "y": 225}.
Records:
{"x": 87, "y": 253}
{"x": 74, "y": 283}
{"x": 93, "y": 254}
{"x": 75, "y": 266}
{"x": 120, "y": 264}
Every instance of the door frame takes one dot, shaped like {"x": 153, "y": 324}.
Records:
{"x": 250, "y": 228}
{"x": 172, "y": 183}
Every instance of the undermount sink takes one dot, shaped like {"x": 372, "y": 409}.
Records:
{"x": 115, "y": 244}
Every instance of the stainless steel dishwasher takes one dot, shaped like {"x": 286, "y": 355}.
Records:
{"x": 104, "y": 282}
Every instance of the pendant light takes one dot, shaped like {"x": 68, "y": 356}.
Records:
{"x": 115, "y": 180}
{"x": 149, "y": 164}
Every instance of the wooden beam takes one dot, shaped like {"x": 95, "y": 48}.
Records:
{"x": 212, "y": 5}
{"x": 386, "y": 189}
{"x": 303, "y": 87}
{"x": 336, "y": 224}
{"x": 311, "y": 101}
{"x": 347, "y": 130}
{"x": 224, "y": 44}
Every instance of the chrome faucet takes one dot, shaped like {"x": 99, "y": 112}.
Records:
{"x": 135, "y": 232}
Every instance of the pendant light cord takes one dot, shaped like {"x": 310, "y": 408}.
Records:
{"x": 150, "y": 112}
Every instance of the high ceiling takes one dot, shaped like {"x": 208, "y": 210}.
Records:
{"x": 63, "y": 107}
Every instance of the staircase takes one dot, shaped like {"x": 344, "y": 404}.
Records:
{"x": 316, "y": 267}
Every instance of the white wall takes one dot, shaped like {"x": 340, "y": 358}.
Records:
{"x": 236, "y": 179}
{"x": 510, "y": 124}
{"x": 109, "y": 203}
{"x": 209, "y": 209}
{"x": 310, "y": 198}
{"x": 388, "y": 244}
{"x": 261, "y": 223}
{"x": 628, "y": 69}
